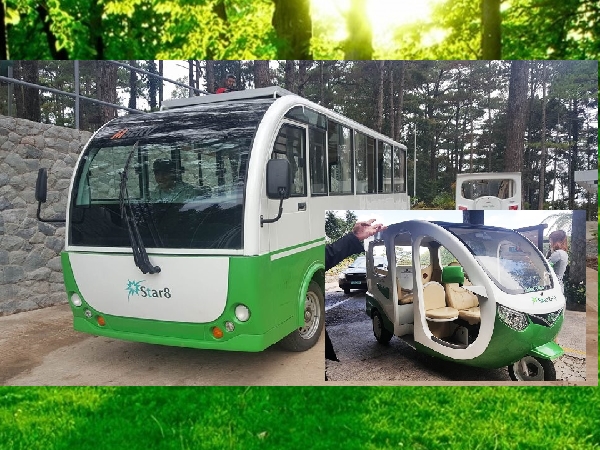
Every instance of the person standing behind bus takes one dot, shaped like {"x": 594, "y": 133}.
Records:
{"x": 228, "y": 84}
{"x": 339, "y": 250}
{"x": 558, "y": 257}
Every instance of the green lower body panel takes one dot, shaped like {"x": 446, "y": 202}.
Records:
{"x": 507, "y": 345}
{"x": 272, "y": 287}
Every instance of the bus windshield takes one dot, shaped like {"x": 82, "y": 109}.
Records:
{"x": 185, "y": 183}
{"x": 509, "y": 259}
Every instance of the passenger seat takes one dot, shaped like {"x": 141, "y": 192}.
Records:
{"x": 435, "y": 303}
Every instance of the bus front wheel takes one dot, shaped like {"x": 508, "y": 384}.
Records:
{"x": 314, "y": 317}
{"x": 530, "y": 368}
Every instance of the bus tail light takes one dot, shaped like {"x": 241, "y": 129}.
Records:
{"x": 217, "y": 333}
{"x": 513, "y": 207}
{"x": 462, "y": 208}
{"x": 242, "y": 313}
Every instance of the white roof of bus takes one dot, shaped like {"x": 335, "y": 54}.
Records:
{"x": 268, "y": 92}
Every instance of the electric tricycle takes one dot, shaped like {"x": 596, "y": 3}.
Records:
{"x": 473, "y": 294}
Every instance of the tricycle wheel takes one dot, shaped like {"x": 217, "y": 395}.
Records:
{"x": 382, "y": 335}
{"x": 530, "y": 368}
{"x": 306, "y": 337}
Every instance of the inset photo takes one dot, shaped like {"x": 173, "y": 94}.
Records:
{"x": 451, "y": 297}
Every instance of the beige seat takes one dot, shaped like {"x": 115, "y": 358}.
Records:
{"x": 466, "y": 302}
{"x": 405, "y": 296}
{"x": 435, "y": 303}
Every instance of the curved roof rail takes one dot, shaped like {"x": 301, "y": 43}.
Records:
{"x": 248, "y": 94}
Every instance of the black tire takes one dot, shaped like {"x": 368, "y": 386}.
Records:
{"x": 306, "y": 337}
{"x": 538, "y": 369}
{"x": 346, "y": 291}
{"x": 382, "y": 335}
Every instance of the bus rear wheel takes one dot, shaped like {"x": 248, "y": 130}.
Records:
{"x": 314, "y": 317}
{"x": 530, "y": 368}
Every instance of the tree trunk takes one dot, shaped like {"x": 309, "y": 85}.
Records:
{"x": 289, "y": 80}
{"x": 261, "y": 73}
{"x": 293, "y": 26}
{"x": 392, "y": 113}
{"x": 359, "y": 45}
{"x": 161, "y": 83}
{"x": 302, "y": 78}
{"x": 543, "y": 143}
{"x": 379, "y": 113}
{"x": 399, "y": 112}
{"x": 491, "y": 45}
{"x": 42, "y": 13}
{"x": 95, "y": 28}
{"x": 517, "y": 114}
{"x": 132, "y": 85}
{"x": 28, "y": 99}
{"x": 577, "y": 269}
{"x": 3, "y": 45}
{"x": 210, "y": 76}
{"x": 573, "y": 156}
{"x": 191, "y": 77}
{"x": 107, "y": 89}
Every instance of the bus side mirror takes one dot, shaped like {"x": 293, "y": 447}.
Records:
{"x": 279, "y": 184}
{"x": 41, "y": 186}
{"x": 279, "y": 179}
{"x": 41, "y": 193}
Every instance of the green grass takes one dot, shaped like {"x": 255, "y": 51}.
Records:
{"x": 299, "y": 418}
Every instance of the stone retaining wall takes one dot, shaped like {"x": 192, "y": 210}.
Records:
{"x": 30, "y": 271}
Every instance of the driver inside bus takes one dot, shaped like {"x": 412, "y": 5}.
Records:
{"x": 169, "y": 187}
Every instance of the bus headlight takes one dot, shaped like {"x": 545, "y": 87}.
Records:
{"x": 76, "y": 300}
{"x": 513, "y": 319}
{"x": 242, "y": 313}
{"x": 229, "y": 326}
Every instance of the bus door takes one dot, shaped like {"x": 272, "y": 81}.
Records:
{"x": 293, "y": 228}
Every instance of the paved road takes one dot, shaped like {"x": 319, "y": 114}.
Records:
{"x": 364, "y": 361}
{"x": 41, "y": 348}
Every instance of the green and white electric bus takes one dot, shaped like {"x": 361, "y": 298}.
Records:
{"x": 202, "y": 225}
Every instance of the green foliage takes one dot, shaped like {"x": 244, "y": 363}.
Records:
{"x": 109, "y": 418}
{"x": 444, "y": 200}
{"x": 574, "y": 292}
{"x": 336, "y": 227}
{"x": 242, "y": 29}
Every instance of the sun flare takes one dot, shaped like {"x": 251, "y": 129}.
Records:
{"x": 385, "y": 16}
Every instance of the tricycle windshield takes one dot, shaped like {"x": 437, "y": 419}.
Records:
{"x": 512, "y": 262}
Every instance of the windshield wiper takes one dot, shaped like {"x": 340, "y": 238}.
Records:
{"x": 140, "y": 255}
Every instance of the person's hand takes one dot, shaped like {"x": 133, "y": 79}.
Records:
{"x": 363, "y": 230}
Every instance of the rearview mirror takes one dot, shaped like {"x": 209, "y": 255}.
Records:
{"x": 279, "y": 179}
{"x": 41, "y": 186}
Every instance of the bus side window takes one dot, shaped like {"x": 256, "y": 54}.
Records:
{"x": 365, "y": 163}
{"x": 384, "y": 165}
{"x": 341, "y": 173}
{"x": 290, "y": 144}
{"x": 399, "y": 170}
{"x": 318, "y": 172}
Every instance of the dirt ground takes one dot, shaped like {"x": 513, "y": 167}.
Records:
{"x": 41, "y": 348}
